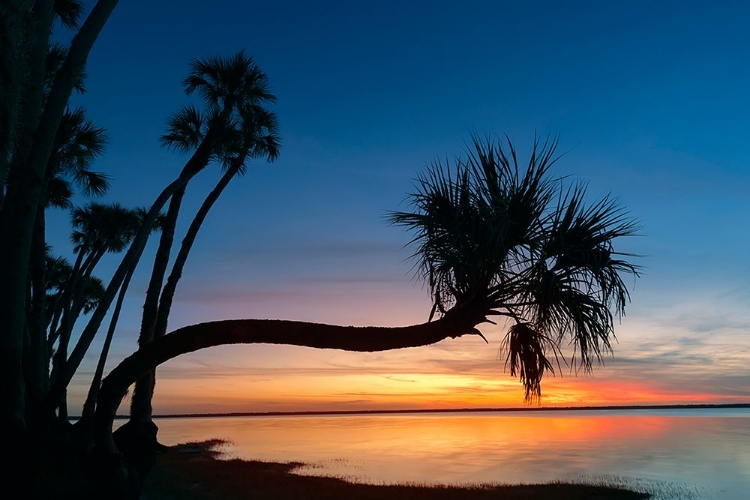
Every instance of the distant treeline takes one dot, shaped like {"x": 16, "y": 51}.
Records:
{"x": 453, "y": 410}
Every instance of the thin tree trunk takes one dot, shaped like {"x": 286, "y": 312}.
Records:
{"x": 36, "y": 362}
{"x": 86, "y": 422}
{"x": 71, "y": 308}
{"x": 140, "y": 404}
{"x": 457, "y": 322}
{"x": 167, "y": 294}
{"x": 73, "y": 296}
{"x": 90, "y": 405}
{"x": 198, "y": 162}
{"x": 66, "y": 298}
{"x": 145, "y": 386}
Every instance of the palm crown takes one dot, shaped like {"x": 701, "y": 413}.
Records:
{"x": 517, "y": 243}
{"x": 234, "y": 91}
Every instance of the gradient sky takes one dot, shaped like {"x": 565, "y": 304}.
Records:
{"x": 651, "y": 103}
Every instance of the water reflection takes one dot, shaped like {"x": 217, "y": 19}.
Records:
{"x": 709, "y": 452}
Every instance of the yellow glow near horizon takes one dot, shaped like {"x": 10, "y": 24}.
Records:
{"x": 398, "y": 391}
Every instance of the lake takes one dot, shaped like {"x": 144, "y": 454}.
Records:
{"x": 673, "y": 453}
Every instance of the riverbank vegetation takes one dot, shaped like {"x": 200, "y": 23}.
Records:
{"x": 195, "y": 472}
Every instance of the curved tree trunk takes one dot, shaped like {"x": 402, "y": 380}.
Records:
{"x": 457, "y": 322}
{"x": 86, "y": 422}
{"x": 140, "y": 405}
{"x": 130, "y": 260}
{"x": 144, "y": 387}
{"x": 65, "y": 298}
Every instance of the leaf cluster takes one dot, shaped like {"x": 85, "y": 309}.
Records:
{"x": 488, "y": 229}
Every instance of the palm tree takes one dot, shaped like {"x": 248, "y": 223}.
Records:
{"x": 78, "y": 143}
{"x": 530, "y": 249}
{"x": 98, "y": 229}
{"x": 491, "y": 239}
{"x": 234, "y": 91}
{"x": 221, "y": 84}
{"x": 84, "y": 424}
{"x": 29, "y": 118}
{"x": 259, "y": 138}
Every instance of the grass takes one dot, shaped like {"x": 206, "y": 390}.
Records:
{"x": 195, "y": 472}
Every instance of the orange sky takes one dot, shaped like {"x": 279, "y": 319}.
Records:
{"x": 460, "y": 373}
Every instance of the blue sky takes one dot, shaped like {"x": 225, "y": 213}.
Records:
{"x": 651, "y": 103}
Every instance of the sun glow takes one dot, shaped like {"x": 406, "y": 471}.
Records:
{"x": 401, "y": 391}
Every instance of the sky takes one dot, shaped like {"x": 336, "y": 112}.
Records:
{"x": 650, "y": 101}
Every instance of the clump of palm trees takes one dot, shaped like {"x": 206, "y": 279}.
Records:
{"x": 492, "y": 238}
{"x": 234, "y": 127}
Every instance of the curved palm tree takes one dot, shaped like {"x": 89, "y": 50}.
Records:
{"x": 526, "y": 247}
{"x": 492, "y": 239}
{"x": 258, "y": 138}
{"x": 234, "y": 91}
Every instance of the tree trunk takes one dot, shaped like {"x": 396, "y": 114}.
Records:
{"x": 23, "y": 189}
{"x": 144, "y": 387}
{"x": 22, "y": 198}
{"x": 65, "y": 298}
{"x": 197, "y": 162}
{"x": 14, "y": 61}
{"x": 167, "y": 294}
{"x": 140, "y": 404}
{"x": 86, "y": 422}
{"x": 36, "y": 362}
{"x": 457, "y": 322}
{"x": 72, "y": 308}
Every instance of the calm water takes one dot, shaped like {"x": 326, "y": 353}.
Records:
{"x": 700, "y": 454}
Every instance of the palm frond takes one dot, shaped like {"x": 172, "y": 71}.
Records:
{"x": 78, "y": 142}
{"x": 68, "y": 12}
{"x": 59, "y": 192}
{"x": 56, "y": 55}
{"x": 225, "y": 82}
{"x": 527, "y": 358}
{"x": 487, "y": 229}
{"x": 185, "y": 130}
{"x": 109, "y": 227}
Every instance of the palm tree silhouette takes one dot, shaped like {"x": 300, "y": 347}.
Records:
{"x": 98, "y": 229}
{"x": 78, "y": 143}
{"x": 223, "y": 105}
{"x": 31, "y": 109}
{"x": 84, "y": 424}
{"x": 528, "y": 248}
{"x": 492, "y": 239}
{"x": 234, "y": 91}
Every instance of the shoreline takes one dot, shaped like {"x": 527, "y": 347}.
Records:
{"x": 450, "y": 410}
{"x": 196, "y": 471}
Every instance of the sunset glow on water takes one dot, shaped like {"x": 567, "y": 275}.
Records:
{"x": 689, "y": 453}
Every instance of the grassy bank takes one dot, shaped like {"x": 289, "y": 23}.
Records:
{"x": 194, "y": 472}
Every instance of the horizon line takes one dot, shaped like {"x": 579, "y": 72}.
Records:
{"x": 447, "y": 410}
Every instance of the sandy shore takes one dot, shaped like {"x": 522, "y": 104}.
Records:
{"x": 193, "y": 471}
